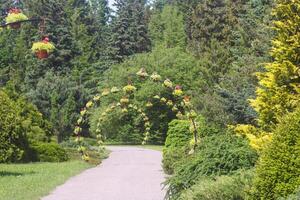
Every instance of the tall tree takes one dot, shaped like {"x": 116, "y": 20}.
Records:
{"x": 130, "y": 32}
{"x": 279, "y": 84}
{"x": 166, "y": 28}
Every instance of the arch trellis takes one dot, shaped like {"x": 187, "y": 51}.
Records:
{"x": 180, "y": 104}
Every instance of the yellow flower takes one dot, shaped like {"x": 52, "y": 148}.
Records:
{"x": 192, "y": 115}
{"x": 149, "y": 105}
{"x": 89, "y": 104}
{"x": 85, "y": 157}
{"x": 179, "y": 115}
{"x": 105, "y": 92}
{"x": 96, "y": 98}
{"x": 168, "y": 83}
{"x": 124, "y": 100}
{"x": 142, "y": 73}
{"x": 77, "y": 130}
{"x": 170, "y": 103}
{"x": 155, "y": 76}
{"x": 15, "y": 17}
{"x": 163, "y": 100}
{"x": 178, "y": 92}
{"x": 114, "y": 90}
{"x": 129, "y": 88}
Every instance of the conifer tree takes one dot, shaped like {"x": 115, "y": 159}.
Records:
{"x": 209, "y": 21}
{"x": 167, "y": 28}
{"x": 129, "y": 28}
{"x": 279, "y": 85}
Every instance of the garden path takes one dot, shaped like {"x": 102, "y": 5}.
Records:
{"x": 130, "y": 173}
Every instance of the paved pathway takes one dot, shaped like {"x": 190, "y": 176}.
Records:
{"x": 129, "y": 173}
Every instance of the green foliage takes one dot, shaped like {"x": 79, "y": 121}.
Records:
{"x": 12, "y": 140}
{"x": 173, "y": 63}
{"x": 294, "y": 196}
{"x": 277, "y": 173}
{"x": 129, "y": 29}
{"x": 175, "y": 148}
{"x": 167, "y": 28}
{"x": 216, "y": 155}
{"x": 48, "y": 152}
{"x": 121, "y": 127}
{"x": 225, "y": 187}
{"x": 57, "y": 97}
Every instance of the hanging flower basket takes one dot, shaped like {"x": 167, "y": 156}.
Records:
{"x": 43, "y": 49}
{"x": 14, "y": 17}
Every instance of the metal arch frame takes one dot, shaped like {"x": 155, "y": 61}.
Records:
{"x": 23, "y": 21}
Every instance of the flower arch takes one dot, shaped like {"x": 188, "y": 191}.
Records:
{"x": 177, "y": 103}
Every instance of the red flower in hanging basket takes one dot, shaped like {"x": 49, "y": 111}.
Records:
{"x": 14, "y": 17}
{"x": 43, "y": 48}
{"x": 15, "y": 11}
{"x": 46, "y": 40}
{"x": 178, "y": 87}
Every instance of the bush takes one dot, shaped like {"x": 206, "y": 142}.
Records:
{"x": 49, "y": 152}
{"x": 178, "y": 137}
{"x": 220, "y": 187}
{"x": 278, "y": 170}
{"x": 215, "y": 155}
{"x": 295, "y": 196}
{"x": 13, "y": 142}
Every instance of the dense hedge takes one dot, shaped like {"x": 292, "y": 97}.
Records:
{"x": 20, "y": 125}
{"x": 221, "y": 187}
{"x": 48, "y": 152}
{"x": 13, "y": 142}
{"x": 278, "y": 171}
{"x": 178, "y": 137}
{"x": 216, "y": 155}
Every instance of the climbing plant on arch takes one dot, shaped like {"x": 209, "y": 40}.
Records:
{"x": 177, "y": 102}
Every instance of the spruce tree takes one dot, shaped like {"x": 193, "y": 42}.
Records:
{"x": 167, "y": 28}
{"x": 129, "y": 28}
{"x": 209, "y": 22}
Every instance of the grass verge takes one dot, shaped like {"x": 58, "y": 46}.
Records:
{"x": 34, "y": 180}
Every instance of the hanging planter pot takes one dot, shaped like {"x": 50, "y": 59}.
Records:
{"x": 16, "y": 25}
{"x": 43, "y": 49}
{"x": 14, "y": 18}
{"x": 42, "y": 54}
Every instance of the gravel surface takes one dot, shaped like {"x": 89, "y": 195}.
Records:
{"x": 130, "y": 173}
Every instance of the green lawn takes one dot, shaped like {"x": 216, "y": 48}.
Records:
{"x": 32, "y": 181}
